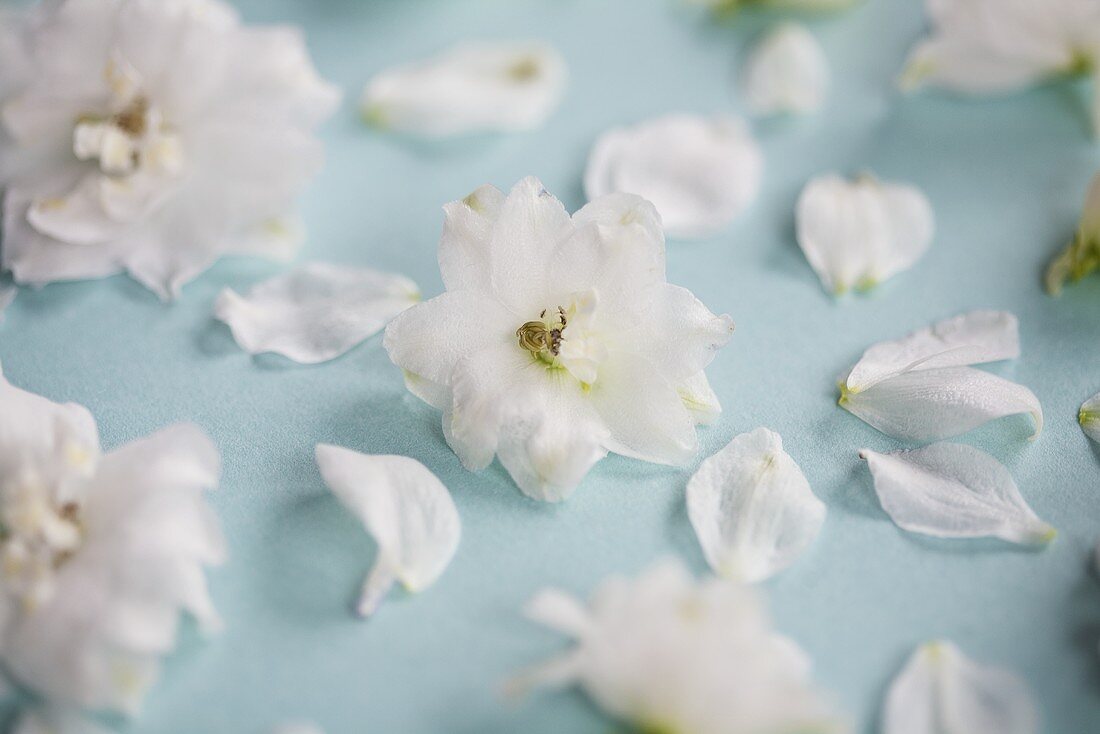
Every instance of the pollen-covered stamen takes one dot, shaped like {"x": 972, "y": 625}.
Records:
{"x": 37, "y": 537}
{"x": 543, "y": 338}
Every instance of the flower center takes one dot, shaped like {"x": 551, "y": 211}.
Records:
{"x": 581, "y": 352}
{"x": 543, "y": 338}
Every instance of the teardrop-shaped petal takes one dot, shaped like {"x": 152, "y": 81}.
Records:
{"x": 316, "y": 312}
{"x": 952, "y": 490}
{"x": 404, "y": 507}
{"x": 469, "y": 88}
{"x": 942, "y": 691}
{"x": 786, "y": 72}
{"x": 976, "y": 337}
{"x": 929, "y": 405}
{"x": 856, "y": 234}
{"x": 1089, "y": 417}
{"x": 752, "y": 508}
{"x": 700, "y": 172}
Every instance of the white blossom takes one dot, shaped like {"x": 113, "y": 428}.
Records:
{"x": 99, "y": 553}
{"x": 665, "y": 653}
{"x": 700, "y": 172}
{"x": 998, "y": 46}
{"x": 787, "y": 72}
{"x": 469, "y": 88}
{"x": 153, "y": 137}
{"x": 921, "y": 387}
{"x": 558, "y": 338}
{"x": 856, "y": 234}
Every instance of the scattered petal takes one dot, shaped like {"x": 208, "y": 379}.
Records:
{"x": 1089, "y": 417}
{"x": 700, "y": 172}
{"x": 859, "y": 233}
{"x": 316, "y": 312}
{"x": 952, "y": 490}
{"x": 1082, "y": 255}
{"x": 941, "y": 691}
{"x": 469, "y": 88}
{"x": 787, "y": 72}
{"x": 404, "y": 507}
{"x": 752, "y": 508}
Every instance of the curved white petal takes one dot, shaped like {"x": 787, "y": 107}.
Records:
{"x": 700, "y": 172}
{"x": 1089, "y": 417}
{"x": 954, "y": 491}
{"x": 929, "y": 405}
{"x": 752, "y": 508}
{"x": 469, "y": 88}
{"x": 941, "y": 691}
{"x": 464, "y": 248}
{"x": 315, "y": 312}
{"x": 786, "y": 72}
{"x": 404, "y": 507}
{"x": 683, "y": 335}
{"x": 858, "y": 233}
{"x": 699, "y": 398}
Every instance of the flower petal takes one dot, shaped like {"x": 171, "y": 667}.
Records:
{"x": 942, "y": 690}
{"x": 752, "y": 508}
{"x": 404, "y": 507}
{"x": 954, "y": 491}
{"x": 699, "y": 172}
{"x": 976, "y": 337}
{"x": 464, "y": 248}
{"x": 682, "y": 334}
{"x": 315, "y": 312}
{"x": 929, "y": 405}
{"x": 699, "y": 398}
{"x": 469, "y": 88}
{"x": 786, "y": 72}
{"x": 1089, "y": 417}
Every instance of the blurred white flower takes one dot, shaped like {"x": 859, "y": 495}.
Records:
{"x": 558, "y": 338}
{"x": 153, "y": 137}
{"x": 999, "y": 46}
{"x": 786, "y": 72}
{"x": 700, "y": 172}
{"x": 858, "y": 233}
{"x": 669, "y": 654}
{"x": 469, "y": 88}
{"x": 1082, "y": 255}
{"x": 98, "y": 554}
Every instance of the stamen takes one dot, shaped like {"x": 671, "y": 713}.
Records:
{"x": 543, "y": 339}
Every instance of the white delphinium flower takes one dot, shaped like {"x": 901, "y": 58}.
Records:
{"x": 1000, "y": 46}
{"x": 942, "y": 691}
{"x": 700, "y": 172}
{"x": 558, "y": 338}
{"x": 153, "y": 137}
{"x": 99, "y": 554}
{"x": 669, "y": 654}
{"x": 469, "y": 88}
{"x": 856, "y": 234}
{"x": 787, "y": 72}
{"x": 1082, "y": 255}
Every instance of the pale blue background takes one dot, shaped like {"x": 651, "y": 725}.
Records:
{"x": 1006, "y": 179}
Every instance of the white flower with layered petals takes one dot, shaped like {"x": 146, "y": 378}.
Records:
{"x": 1000, "y": 46}
{"x": 153, "y": 137}
{"x": 942, "y": 691}
{"x": 469, "y": 88}
{"x": 856, "y": 234}
{"x": 921, "y": 388}
{"x": 668, "y": 654}
{"x": 787, "y": 72}
{"x": 558, "y": 339}
{"x": 99, "y": 554}
{"x": 700, "y": 172}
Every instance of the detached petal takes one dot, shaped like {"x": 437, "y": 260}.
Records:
{"x": 404, "y": 507}
{"x": 469, "y": 88}
{"x": 787, "y": 72}
{"x": 752, "y": 508}
{"x": 1089, "y": 417}
{"x": 941, "y": 691}
{"x": 954, "y": 491}
{"x": 316, "y": 312}
{"x": 699, "y": 172}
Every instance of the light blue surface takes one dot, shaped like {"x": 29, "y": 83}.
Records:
{"x": 1006, "y": 179}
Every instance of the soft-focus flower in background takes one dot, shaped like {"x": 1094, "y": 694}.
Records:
{"x": 558, "y": 338}
{"x": 1082, "y": 255}
{"x": 99, "y": 554}
{"x": 859, "y": 233}
{"x": 786, "y": 72}
{"x": 469, "y": 88}
{"x": 669, "y": 654}
{"x": 1000, "y": 46}
{"x": 153, "y": 137}
{"x": 699, "y": 172}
